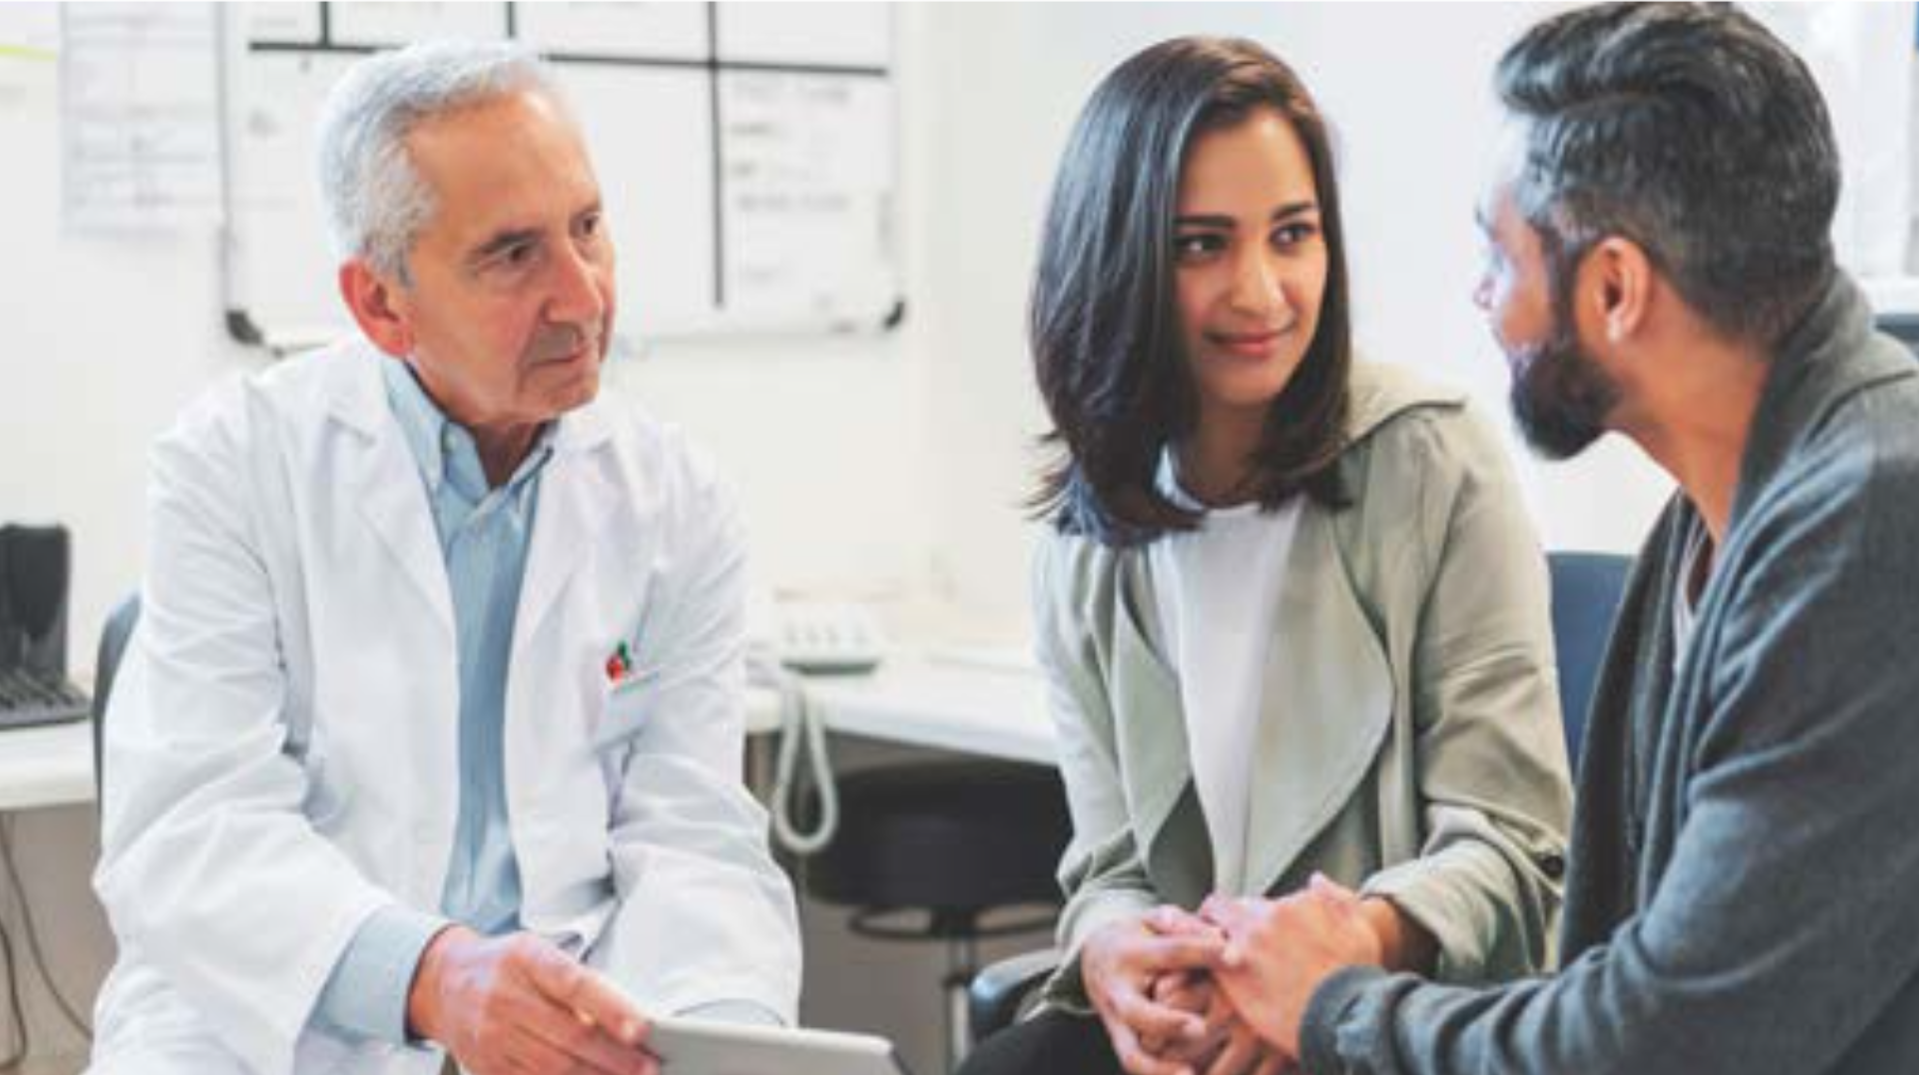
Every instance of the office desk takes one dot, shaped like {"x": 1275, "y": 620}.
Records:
{"x": 947, "y": 703}
{"x": 47, "y": 766}
{"x": 993, "y": 709}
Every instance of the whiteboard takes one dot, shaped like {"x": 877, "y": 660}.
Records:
{"x": 745, "y": 151}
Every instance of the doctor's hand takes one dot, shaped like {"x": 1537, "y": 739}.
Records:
{"x": 518, "y": 1004}
{"x": 1119, "y": 965}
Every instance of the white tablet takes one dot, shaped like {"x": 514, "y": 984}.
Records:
{"x": 698, "y": 1047}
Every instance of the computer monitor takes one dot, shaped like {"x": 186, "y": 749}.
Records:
{"x": 1904, "y": 327}
{"x": 34, "y": 571}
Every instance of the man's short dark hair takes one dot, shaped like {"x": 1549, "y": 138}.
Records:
{"x": 1692, "y": 131}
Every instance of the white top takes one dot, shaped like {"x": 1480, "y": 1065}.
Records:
{"x": 1683, "y": 618}
{"x": 50, "y": 765}
{"x": 1218, "y": 590}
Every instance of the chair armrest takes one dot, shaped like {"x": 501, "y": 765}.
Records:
{"x": 998, "y": 991}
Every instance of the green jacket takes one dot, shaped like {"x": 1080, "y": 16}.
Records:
{"x": 1410, "y": 743}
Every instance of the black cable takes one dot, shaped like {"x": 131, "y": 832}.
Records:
{"x": 24, "y": 1044}
{"x": 67, "y": 1011}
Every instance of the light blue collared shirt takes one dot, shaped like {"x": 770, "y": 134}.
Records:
{"x": 484, "y": 533}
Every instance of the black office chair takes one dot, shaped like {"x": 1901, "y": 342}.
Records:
{"x": 1586, "y": 591}
{"x": 106, "y": 666}
{"x": 930, "y": 851}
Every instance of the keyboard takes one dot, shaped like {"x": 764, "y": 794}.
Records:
{"x": 27, "y": 699}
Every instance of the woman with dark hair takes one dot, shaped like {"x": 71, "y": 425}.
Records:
{"x": 1292, "y": 614}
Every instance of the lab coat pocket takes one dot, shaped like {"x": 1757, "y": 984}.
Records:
{"x": 622, "y": 715}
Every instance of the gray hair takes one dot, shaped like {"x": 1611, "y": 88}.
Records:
{"x": 375, "y": 201}
{"x": 1692, "y": 131}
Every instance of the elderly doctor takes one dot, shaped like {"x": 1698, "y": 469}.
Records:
{"x": 429, "y": 740}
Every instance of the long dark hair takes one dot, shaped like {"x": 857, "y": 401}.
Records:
{"x": 1104, "y": 325}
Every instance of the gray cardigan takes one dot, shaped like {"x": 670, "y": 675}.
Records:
{"x": 1744, "y": 892}
{"x": 1409, "y": 739}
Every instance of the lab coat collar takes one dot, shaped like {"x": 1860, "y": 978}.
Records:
{"x": 357, "y": 398}
{"x": 577, "y": 498}
{"x": 446, "y": 451}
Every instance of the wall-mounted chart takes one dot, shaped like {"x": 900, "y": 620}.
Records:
{"x": 745, "y": 152}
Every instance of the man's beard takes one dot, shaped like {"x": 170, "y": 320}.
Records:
{"x": 1560, "y": 397}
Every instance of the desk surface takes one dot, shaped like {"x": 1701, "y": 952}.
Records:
{"x": 47, "y": 766}
{"x": 943, "y": 702}
{"x": 947, "y": 703}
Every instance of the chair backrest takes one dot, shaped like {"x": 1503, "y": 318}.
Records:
{"x": 106, "y": 665}
{"x": 1586, "y": 588}
{"x": 1904, "y": 327}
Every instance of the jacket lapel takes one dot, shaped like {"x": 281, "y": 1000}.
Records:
{"x": 383, "y": 479}
{"x": 1328, "y": 692}
{"x": 1148, "y": 717}
{"x": 576, "y": 498}
{"x": 1328, "y": 698}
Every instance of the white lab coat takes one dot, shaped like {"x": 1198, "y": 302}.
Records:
{"x": 281, "y": 754}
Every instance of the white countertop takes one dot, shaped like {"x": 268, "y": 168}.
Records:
{"x": 951, "y": 702}
{"x": 971, "y": 701}
{"x": 46, "y": 766}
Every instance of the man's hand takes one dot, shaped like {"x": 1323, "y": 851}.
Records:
{"x": 1226, "y": 1045}
{"x": 1189, "y": 991}
{"x": 518, "y": 1004}
{"x": 1245, "y": 1052}
{"x": 1229, "y": 1046}
{"x": 1192, "y": 992}
{"x": 1119, "y": 965}
{"x": 1279, "y": 952}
